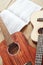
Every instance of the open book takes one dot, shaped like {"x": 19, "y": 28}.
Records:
{"x": 18, "y": 15}
{"x": 12, "y": 22}
{"x": 24, "y": 9}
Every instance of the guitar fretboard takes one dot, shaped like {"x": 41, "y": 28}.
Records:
{"x": 39, "y": 52}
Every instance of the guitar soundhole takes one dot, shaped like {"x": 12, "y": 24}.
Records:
{"x": 13, "y": 48}
{"x": 40, "y": 31}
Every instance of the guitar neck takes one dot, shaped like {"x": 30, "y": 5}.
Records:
{"x": 39, "y": 52}
{"x": 5, "y": 32}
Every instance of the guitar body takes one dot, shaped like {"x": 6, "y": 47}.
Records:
{"x": 37, "y": 24}
{"x": 37, "y": 35}
{"x": 25, "y": 53}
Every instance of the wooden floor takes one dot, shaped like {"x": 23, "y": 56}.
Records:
{"x": 40, "y": 2}
{"x": 6, "y": 3}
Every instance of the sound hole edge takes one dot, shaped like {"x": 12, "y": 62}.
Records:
{"x": 40, "y": 30}
{"x": 13, "y": 48}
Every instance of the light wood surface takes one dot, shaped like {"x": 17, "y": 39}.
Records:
{"x": 1, "y": 36}
{"x": 40, "y": 2}
{"x": 27, "y": 32}
{"x": 1, "y": 62}
{"x": 5, "y": 3}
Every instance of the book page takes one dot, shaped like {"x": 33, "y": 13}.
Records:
{"x": 12, "y": 22}
{"x": 24, "y": 9}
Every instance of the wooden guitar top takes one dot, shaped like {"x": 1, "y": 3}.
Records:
{"x": 25, "y": 52}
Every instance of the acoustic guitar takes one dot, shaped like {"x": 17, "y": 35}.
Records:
{"x": 14, "y": 49}
{"x": 37, "y": 35}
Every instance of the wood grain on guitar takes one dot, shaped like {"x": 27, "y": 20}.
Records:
{"x": 22, "y": 56}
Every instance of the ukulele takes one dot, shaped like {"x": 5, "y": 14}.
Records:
{"x": 14, "y": 48}
{"x": 37, "y": 35}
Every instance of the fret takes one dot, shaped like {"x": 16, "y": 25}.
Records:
{"x": 38, "y": 56}
{"x": 38, "y": 64}
{"x": 39, "y": 52}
